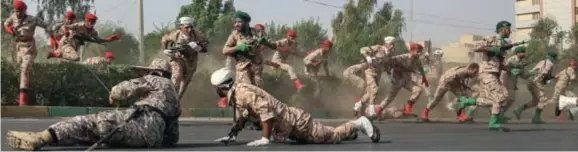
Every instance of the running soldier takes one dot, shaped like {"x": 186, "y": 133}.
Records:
{"x": 75, "y": 36}
{"x": 453, "y": 80}
{"x": 313, "y": 60}
{"x": 563, "y": 80}
{"x": 184, "y": 55}
{"x": 515, "y": 66}
{"x": 279, "y": 121}
{"x": 154, "y": 118}
{"x": 286, "y": 47}
{"x": 542, "y": 75}
{"x": 22, "y": 26}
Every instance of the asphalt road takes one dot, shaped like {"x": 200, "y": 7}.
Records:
{"x": 440, "y": 136}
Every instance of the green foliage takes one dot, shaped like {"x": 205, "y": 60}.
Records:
{"x": 125, "y": 49}
{"x": 54, "y": 10}
{"x": 310, "y": 34}
{"x": 63, "y": 84}
{"x": 353, "y": 28}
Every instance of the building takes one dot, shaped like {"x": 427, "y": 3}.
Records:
{"x": 528, "y": 12}
{"x": 460, "y": 52}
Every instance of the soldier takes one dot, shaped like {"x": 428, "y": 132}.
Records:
{"x": 107, "y": 59}
{"x": 154, "y": 118}
{"x": 315, "y": 59}
{"x": 242, "y": 44}
{"x": 260, "y": 29}
{"x": 493, "y": 92}
{"x": 75, "y": 36}
{"x": 59, "y": 31}
{"x": 542, "y": 75}
{"x": 22, "y": 26}
{"x": 403, "y": 66}
{"x": 278, "y": 119}
{"x": 563, "y": 80}
{"x": 286, "y": 47}
{"x": 377, "y": 57}
{"x": 515, "y": 66}
{"x": 188, "y": 42}
{"x": 453, "y": 80}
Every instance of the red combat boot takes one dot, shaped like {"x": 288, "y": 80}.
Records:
{"x": 379, "y": 112}
{"x": 408, "y": 110}
{"x": 22, "y": 98}
{"x": 425, "y": 115}
{"x": 223, "y": 103}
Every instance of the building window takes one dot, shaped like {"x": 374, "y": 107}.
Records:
{"x": 535, "y": 2}
{"x": 535, "y": 16}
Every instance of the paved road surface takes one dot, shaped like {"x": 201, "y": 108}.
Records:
{"x": 441, "y": 136}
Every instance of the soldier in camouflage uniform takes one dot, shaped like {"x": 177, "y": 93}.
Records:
{"x": 493, "y": 93}
{"x": 188, "y": 43}
{"x": 542, "y": 75}
{"x": 279, "y": 121}
{"x": 403, "y": 66}
{"x": 515, "y": 66}
{"x": 286, "y": 47}
{"x": 22, "y": 26}
{"x": 70, "y": 43}
{"x": 377, "y": 57}
{"x": 453, "y": 80}
{"x": 56, "y": 40}
{"x": 155, "y": 126}
{"x": 563, "y": 79}
{"x": 107, "y": 59}
{"x": 313, "y": 61}
{"x": 242, "y": 45}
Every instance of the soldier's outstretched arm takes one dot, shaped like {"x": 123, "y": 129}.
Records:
{"x": 130, "y": 88}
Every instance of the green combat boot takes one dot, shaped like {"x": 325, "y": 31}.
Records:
{"x": 537, "y": 119}
{"x": 518, "y": 111}
{"x": 465, "y": 102}
{"x": 495, "y": 124}
{"x": 503, "y": 119}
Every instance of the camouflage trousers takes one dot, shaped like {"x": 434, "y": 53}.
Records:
{"x": 372, "y": 77}
{"x": 286, "y": 67}
{"x": 493, "y": 93}
{"x": 399, "y": 82}
{"x": 539, "y": 98}
{"x": 352, "y": 74}
{"x": 249, "y": 72}
{"x": 442, "y": 89}
{"x": 69, "y": 52}
{"x": 25, "y": 56}
{"x": 321, "y": 134}
{"x": 182, "y": 71}
{"x": 144, "y": 131}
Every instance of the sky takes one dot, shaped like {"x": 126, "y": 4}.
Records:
{"x": 441, "y": 21}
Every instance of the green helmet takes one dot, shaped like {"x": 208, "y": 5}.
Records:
{"x": 503, "y": 24}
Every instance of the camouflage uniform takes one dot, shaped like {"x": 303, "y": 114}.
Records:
{"x": 280, "y": 57}
{"x": 453, "y": 80}
{"x": 70, "y": 45}
{"x": 25, "y": 45}
{"x": 184, "y": 65}
{"x": 157, "y": 126}
{"x": 248, "y": 67}
{"x": 312, "y": 71}
{"x": 403, "y": 66}
{"x": 543, "y": 69}
{"x": 352, "y": 74}
{"x": 96, "y": 60}
{"x": 380, "y": 56}
{"x": 513, "y": 64}
{"x": 563, "y": 80}
{"x": 290, "y": 122}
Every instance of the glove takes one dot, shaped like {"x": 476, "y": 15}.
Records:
{"x": 265, "y": 42}
{"x": 9, "y": 30}
{"x": 424, "y": 81}
{"x": 425, "y": 70}
{"x": 369, "y": 60}
{"x": 113, "y": 38}
{"x": 242, "y": 47}
{"x": 170, "y": 53}
{"x": 227, "y": 139}
{"x": 259, "y": 142}
{"x": 54, "y": 41}
{"x": 195, "y": 46}
{"x": 515, "y": 71}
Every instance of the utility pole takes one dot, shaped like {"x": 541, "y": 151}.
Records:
{"x": 411, "y": 24}
{"x": 141, "y": 51}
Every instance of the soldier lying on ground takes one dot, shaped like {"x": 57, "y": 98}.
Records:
{"x": 156, "y": 124}
{"x": 279, "y": 120}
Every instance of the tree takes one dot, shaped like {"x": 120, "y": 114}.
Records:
{"x": 353, "y": 28}
{"x": 54, "y": 10}
{"x": 542, "y": 33}
{"x": 310, "y": 34}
